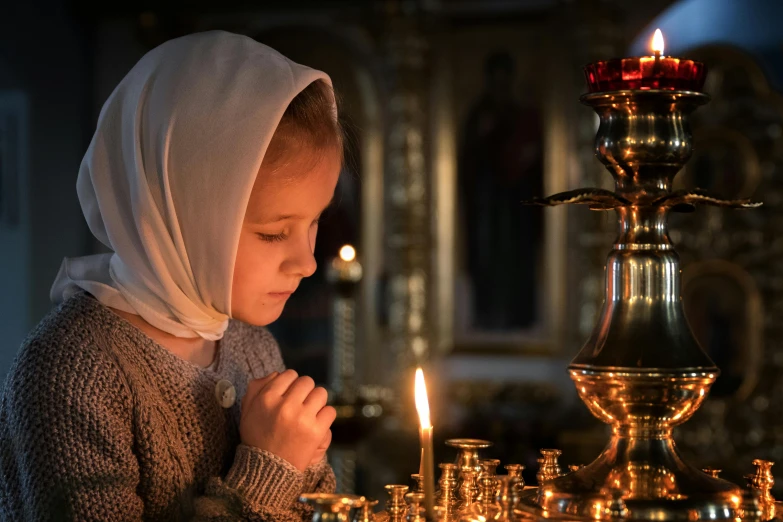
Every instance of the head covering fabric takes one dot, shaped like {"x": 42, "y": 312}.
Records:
{"x": 166, "y": 179}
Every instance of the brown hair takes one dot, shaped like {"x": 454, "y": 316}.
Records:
{"x": 310, "y": 122}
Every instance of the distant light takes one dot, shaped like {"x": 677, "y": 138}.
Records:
{"x": 347, "y": 253}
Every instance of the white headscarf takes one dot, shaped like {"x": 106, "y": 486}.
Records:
{"x": 167, "y": 177}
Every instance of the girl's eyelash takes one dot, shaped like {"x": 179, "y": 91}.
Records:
{"x": 273, "y": 238}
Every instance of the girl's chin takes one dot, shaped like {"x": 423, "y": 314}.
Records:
{"x": 269, "y": 313}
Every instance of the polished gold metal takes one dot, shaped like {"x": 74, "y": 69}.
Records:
{"x": 396, "y": 508}
{"x": 468, "y": 454}
{"x": 415, "y": 507}
{"x": 488, "y": 469}
{"x": 468, "y": 490}
{"x": 575, "y": 467}
{"x": 762, "y": 481}
{"x": 364, "y": 511}
{"x": 502, "y": 509}
{"x": 418, "y": 481}
{"x": 487, "y": 506}
{"x": 447, "y": 492}
{"x": 489, "y": 466}
{"x": 549, "y": 468}
{"x": 407, "y": 231}
{"x": 328, "y": 507}
{"x": 750, "y": 508}
{"x": 515, "y": 471}
{"x": 712, "y": 472}
{"x": 615, "y": 505}
{"x": 641, "y": 371}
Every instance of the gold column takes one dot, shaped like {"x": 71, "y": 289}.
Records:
{"x": 407, "y": 189}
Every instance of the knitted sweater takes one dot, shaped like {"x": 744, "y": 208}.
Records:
{"x": 99, "y": 422}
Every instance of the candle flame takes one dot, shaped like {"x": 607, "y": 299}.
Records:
{"x": 347, "y": 253}
{"x": 422, "y": 404}
{"x": 657, "y": 42}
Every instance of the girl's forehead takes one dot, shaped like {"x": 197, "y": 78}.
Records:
{"x": 298, "y": 189}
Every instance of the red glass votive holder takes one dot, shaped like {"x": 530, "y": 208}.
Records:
{"x": 646, "y": 72}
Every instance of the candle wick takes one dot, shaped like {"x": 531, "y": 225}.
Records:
{"x": 657, "y": 65}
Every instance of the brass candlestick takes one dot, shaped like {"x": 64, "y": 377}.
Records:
{"x": 468, "y": 454}
{"x": 488, "y": 469}
{"x": 447, "y": 492}
{"x": 486, "y": 505}
{"x": 642, "y": 370}
{"x": 762, "y": 481}
{"x": 415, "y": 507}
{"x": 396, "y": 508}
{"x": 331, "y": 507}
{"x": 364, "y": 511}
{"x": 712, "y": 472}
{"x": 514, "y": 471}
{"x": 502, "y": 509}
{"x": 418, "y": 481}
{"x": 549, "y": 468}
{"x": 468, "y": 490}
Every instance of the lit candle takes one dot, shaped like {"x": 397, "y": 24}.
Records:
{"x": 427, "y": 464}
{"x": 646, "y": 72}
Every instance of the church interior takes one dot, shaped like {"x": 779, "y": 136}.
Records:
{"x": 592, "y": 308}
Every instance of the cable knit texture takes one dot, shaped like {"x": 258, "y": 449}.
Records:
{"x": 99, "y": 422}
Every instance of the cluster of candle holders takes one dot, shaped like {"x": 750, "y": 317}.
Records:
{"x": 641, "y": 371}
{"x": 470, "y": 490}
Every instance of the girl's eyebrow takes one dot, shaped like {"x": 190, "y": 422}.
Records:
{"x": 283, "y": 217}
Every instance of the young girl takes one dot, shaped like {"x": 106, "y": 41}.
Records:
{"x": 153, "y": 392}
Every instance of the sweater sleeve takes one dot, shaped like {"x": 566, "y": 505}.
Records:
{"x": 66, "y": 443}
{"x": 261, "y": 487}
{"x": 68, "y": 452}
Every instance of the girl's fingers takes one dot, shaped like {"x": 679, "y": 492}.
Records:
{"x": 326, "y": 416}
{"x": 255, "y": 386}
{"x": 299, "y": 390}
{"x": 281, "y": 383}
{"x": 316, "y": 400}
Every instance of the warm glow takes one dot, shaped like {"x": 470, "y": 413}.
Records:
{"x": 657, "y": 42}
{"x": 422, "y": 404}
{"x": 347, "y": 253}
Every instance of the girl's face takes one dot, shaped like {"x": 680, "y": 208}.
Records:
{"x": 277, "y": 240}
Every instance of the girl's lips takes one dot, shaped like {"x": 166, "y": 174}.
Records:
{"x": 280, "y": 295}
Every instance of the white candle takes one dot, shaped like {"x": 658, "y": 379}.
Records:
{"x": 427, "y": 464}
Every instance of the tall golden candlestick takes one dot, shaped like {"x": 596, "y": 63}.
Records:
{"x": 427, "y": 465}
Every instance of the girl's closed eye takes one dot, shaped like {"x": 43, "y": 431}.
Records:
{"x": 273, "y": 238}
{"x": 282, "y": 236}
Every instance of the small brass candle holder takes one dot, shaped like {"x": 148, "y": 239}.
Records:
{"x": 468, "y": 452}
{"x": 468, "y": 490}
{"x": 447, "y": 499}
{"x": 415, "y": 507}
{"x": 330, "y": 507}
{"x": 396, "y": 508}
{"x": 364, "y": 511}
